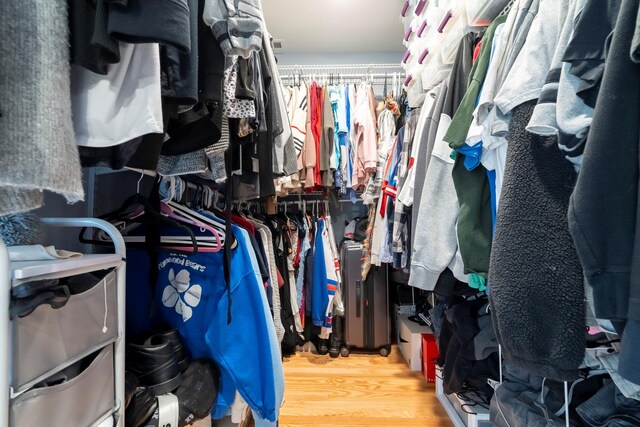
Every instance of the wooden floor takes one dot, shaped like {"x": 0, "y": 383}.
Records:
{"x": 360, "y": 390}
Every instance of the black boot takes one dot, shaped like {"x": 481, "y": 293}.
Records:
{"x": 335, "y": 342}
{"x": 322, "y": 345}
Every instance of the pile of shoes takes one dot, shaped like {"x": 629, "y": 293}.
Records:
{"x": 164, "y": 387}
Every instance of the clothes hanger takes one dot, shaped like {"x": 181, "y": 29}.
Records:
{"x": 385, "y": 85}
{"x": 183, "y": 214}
{"x": 167, "y": 210}
{"x": 211, "y": 221}
{"x": 150, "y": 217}
{"x": 203, "y": 197}
{"x": 190, "y": 215}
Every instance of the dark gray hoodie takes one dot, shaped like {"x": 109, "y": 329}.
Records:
{"x": 604, "y": 206}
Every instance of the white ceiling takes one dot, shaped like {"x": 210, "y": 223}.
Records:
{"x": 335, "y": 26}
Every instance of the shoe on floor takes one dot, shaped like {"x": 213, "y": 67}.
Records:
{"x": 322, "y": 345}
{"x": 130, "y": 386}
{"x": 142, "y": 406}
{"x": 198, "y": 392}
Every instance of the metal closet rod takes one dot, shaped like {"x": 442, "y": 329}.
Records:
{"x": 347, "y": 76}
{"x": 342, "y": 69}
{"x": 371, "y": 72}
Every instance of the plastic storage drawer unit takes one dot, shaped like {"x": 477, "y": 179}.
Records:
{"x": 50, "y": 338}
{"x": 80, "y": 401}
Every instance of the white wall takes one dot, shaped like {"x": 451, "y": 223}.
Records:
{"x": 339, "y": 58}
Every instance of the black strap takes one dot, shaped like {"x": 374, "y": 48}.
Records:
{"x": 229, "y": 240}
{"x": 29, "y": 289}
{"x": 152, "y": 240}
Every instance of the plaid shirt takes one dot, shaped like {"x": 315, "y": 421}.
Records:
{"x": 387, "y": 130}
{"x": 401, "y": 212}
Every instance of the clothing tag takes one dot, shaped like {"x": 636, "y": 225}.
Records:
{"x": 255, "y": 164}
{"x": 493, "y": 384}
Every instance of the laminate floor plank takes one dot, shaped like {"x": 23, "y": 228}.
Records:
{"x": 359, "y": 390}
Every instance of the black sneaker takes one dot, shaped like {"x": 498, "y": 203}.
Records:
{"x": 198, "y": 392}
{"x": 130, "y": 386}
{"x": 155, "y": 365}
{"x": 142, "y": 406}
{"x": 173, "y": 337}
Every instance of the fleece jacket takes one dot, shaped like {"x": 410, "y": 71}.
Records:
{"x": 537, "y": 290}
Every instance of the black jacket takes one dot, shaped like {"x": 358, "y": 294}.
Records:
{"x": 604, "y": 205}
{"x": 210, "y": 62}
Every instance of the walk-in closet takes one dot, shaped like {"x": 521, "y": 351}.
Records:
{"x": 298, "y": 213}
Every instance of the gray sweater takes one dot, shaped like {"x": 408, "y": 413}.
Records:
{"x": 38, "y": 150}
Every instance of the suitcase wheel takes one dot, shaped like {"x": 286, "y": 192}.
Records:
{"x": 384, "y": 351}
{"x": 344, "y": 352}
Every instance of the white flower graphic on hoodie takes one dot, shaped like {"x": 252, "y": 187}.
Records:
{"x": 181, "y": 294}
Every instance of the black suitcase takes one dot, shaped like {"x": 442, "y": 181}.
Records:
{"x": 367, "y": 322}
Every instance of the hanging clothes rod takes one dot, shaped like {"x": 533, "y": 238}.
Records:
{"x": 336, "y": 67}
{"x": 342, "y": 69}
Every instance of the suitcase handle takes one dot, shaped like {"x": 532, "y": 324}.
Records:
{"x": 358, "y": 298}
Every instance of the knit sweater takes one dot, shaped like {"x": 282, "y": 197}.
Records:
{"x": 38, "y": 150}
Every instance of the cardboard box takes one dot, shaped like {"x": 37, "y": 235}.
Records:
{"x": 410, "y": 341}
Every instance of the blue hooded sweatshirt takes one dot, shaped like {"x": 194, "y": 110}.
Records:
{"x": 320, "y": 295}
{"x": 192, "y": 296}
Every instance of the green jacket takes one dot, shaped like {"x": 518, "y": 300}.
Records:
{"x": 457, "y": 133}
{"x": 472, "y": 187}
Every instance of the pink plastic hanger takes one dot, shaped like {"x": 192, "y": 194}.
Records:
{"x": 166, "y": 210}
